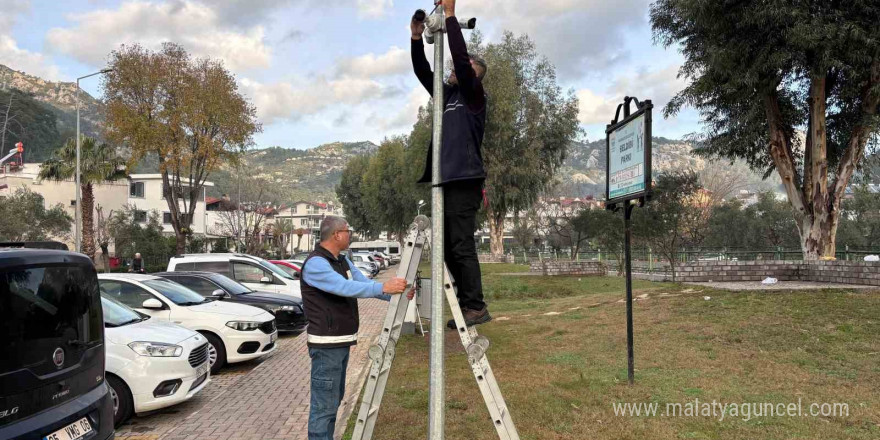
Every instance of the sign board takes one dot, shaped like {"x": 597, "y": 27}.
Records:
{"x": 628, "y": 155}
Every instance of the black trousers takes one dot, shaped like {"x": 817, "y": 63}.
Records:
{"x": 461, "y": 201}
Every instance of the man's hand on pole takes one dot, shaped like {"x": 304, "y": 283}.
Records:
{"x": 417, "y": 28}
{"x": 448, "y": 7}
{"x": 394, "y": 286}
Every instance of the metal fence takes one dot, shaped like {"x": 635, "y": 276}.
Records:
{"x": 649, "y": 261}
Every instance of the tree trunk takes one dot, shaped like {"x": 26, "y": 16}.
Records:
{"x": 298, "y": 241}
{"x": 496, "y": 233}
{"x": 88, "y": 224}
{"x": 105, "y": 255}
{"x": 181, "y": 242}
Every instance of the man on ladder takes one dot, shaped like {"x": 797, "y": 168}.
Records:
{"x": 464, "y": 122}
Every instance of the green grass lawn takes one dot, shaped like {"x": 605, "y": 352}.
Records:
{"x": 559, "y": 353}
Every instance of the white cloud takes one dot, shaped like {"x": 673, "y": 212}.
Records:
{"x": 28, "y": 62}
{"x": 405, "y": 117}
{"x": 658, "y": 85}
{"x": 15, "y": 57}
{"x": 578, "y": 36}
{"x": 194, "y": 25}
{"x": 393, "y": 62}
{"x": 595, "y": 109}
{"x": 9, "y": 11}
{"x": 301, "y": 97}
{"x": 374, "y": 8}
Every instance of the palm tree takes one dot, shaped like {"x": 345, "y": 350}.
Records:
{"x": 282, "y": 230}
{"x": 299, "y": 236}
{"x": 99, "y": 163}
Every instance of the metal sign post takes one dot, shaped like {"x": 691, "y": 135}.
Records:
{"x": 628, "y": 182}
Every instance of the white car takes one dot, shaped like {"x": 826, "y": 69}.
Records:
{"x": 359, "y": 257}
{"x": 235, "y": 332}
{"x": 150, "y": 364}
{"x": 253, "y": 272}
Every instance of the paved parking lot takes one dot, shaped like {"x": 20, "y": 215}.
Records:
{"x": 264, "y": 399}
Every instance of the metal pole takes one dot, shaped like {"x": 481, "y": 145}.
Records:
{"x": 627, "y": 215}
{"x": 205, "y": 200}
{"x": 78, "y": 207}
{"x": 436, "y": 416}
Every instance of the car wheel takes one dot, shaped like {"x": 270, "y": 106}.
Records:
{"x": 216, "y": 353}
{"x": 123, "y": 405}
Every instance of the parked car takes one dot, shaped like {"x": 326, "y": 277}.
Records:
{"x": 288, "y": 311}
{"x": 52, "y": 382}
{"x": 382, "y": 262}
{"x": 151, "y": 364}
{"x": 368, "y": 257}
{"x": 301, "y": 256}
{"x": 290, "y": 268}
{"x": 235, "y": 332}
{"x": 365, "y": 260}
{"x": 254, "y": 272}
{"x": 365, "y": 269}
{"x": 391, "y": 261}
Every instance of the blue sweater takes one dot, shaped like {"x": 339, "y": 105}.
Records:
{"x": 318, "y": 273}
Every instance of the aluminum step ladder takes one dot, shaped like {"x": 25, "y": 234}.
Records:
{"x": 382, "y": 353}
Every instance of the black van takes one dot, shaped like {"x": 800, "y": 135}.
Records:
{"x": 52, "y": 343}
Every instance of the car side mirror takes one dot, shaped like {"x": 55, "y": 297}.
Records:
{"x": 266, "y": 280}
{"x": 220, "y": 293}
{"x": 296, "y": 275}
{"x": 153, "y": 304}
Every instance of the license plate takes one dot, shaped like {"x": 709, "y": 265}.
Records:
{"x": 273, "y": 337}
{"x": 72, "y": 431}
{"x": 202, "y": 369}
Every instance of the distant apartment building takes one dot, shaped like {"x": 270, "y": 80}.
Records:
{"x": 307, "y": 216}
{"x": 144, "y": 191}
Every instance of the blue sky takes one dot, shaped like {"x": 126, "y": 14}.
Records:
{"x": 339, "y": 70}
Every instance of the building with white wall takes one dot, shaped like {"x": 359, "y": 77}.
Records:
{"x": 308, "y": 216}
{"x": 145, "y": 193}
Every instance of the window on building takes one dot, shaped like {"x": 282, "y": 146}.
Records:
{"x": 136, "y": 189}
{"x": 140, "y": 216}
{"x": 304, "y": 222}
{"x": 166, "y": 218}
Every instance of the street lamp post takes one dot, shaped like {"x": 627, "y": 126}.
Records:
{"x": 419, "y": 207}
{"x": 78, "y": 212}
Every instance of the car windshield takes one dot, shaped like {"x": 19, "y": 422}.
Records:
{"x": 117, "y": 315}
{"x": 231, "y": 286}
{"x": 273, "y": 268}
{"x": 178, "y": 294}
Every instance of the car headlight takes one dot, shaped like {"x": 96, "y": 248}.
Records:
{"x": 156, "y": 349}
{"x": 243, "y": 326}
{"x": 276, "y": 309}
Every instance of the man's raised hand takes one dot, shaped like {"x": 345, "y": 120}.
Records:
{"x": 448, "y": 6}
{"x": 417, "y": 27}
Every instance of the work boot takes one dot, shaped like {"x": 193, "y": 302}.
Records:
{"x": 472, "y": 317}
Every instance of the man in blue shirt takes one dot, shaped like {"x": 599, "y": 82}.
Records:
{"x": 330, "y": 287}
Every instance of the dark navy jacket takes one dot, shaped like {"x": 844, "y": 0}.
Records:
{"x": 464, "y": 116}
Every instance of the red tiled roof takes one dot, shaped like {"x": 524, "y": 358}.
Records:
{"x": 212, "y": 200}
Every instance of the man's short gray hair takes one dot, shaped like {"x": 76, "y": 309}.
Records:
{"x": 331, "y": 224}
